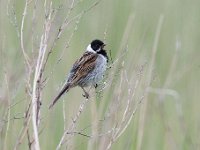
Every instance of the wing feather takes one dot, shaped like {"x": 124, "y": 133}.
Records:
{"x": 82, "y": 67}
{"x": 79, "y": 70}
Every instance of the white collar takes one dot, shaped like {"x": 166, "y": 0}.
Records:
{"x": 89, "y": 49}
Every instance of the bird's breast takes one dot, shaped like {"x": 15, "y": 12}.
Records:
{"x": 96, "y": 75}
{"x": 100, "y": 68}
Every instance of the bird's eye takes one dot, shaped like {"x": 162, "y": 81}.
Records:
{"x": 97, "y": 46}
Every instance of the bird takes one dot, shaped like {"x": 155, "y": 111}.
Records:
{"x": 88, "y": 70}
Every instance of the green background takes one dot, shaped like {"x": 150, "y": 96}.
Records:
{"x": 161, "y": 35}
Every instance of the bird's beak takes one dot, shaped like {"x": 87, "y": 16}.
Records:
{"x": 103, "y": 45}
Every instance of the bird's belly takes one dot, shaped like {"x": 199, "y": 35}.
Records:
{"x": 96, "y": 75}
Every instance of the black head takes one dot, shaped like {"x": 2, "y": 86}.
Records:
{"x": 97, "y": 45}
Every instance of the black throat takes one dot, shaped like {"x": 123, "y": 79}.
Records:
{"x": 103, "y": 52}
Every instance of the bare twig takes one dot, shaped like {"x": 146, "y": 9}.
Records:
{"x": 80, "y": 133}
{"x": 105, "y": 33}
{"x": 128, "y": 113}
{"x": 27, "y": 59}
{"x": 64, "y": 115}
{"x": 25, "y": 128}
{"x": 8, "y": 114}
{"x": 36, "y": 92}
{"x": 73, "y": 124}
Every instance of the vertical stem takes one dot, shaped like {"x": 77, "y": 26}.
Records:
{"x": 8, "y": 115}
{"x": 149, "y": 77}
{"x": 34, "y": 107}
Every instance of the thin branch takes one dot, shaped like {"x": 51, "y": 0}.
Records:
{"x": 25, "y": 127}
{"x": 64, "y": 115}
{"x": 73, "y": 124}
{"x": 121, "y": 126}
{"x": 80, "y": 133}
{"x": 8, "y": 115}
{"x": 22, "y": 35}
{"x": 36, "y": 94}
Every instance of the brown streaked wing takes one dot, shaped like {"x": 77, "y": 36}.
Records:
{"x": 84, "y": 65}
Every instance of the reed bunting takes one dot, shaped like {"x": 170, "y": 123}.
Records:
{"x": 88, "y": 70}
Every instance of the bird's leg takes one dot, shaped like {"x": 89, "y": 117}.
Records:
{"x": 86, "y": 95}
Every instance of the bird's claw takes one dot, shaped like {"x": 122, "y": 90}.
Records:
{"x": 86, "y": 95}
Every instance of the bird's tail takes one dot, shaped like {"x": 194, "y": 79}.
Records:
{"x": 63, "y": 90}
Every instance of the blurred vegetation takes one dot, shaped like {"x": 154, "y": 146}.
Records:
{"x": 168, "y": 117}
